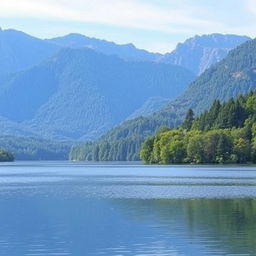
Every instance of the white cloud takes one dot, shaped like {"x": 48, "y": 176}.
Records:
{"x": 124, "y": 13}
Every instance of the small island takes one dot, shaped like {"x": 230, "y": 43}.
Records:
{"x": 6, "y": 156}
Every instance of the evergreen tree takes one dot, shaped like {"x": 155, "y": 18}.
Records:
{"x": 187, "y": 124}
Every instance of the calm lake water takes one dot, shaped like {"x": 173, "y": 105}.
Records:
{"x": 80, "y": 209}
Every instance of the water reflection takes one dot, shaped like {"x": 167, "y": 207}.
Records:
{"x": 40, "y": 226}
{"x": 58, "y": 210}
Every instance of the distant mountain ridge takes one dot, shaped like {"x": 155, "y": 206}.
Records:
{"x": 196, "y": 54}
{"x": 200, "y": 52}
{"x": 19, "y": 51}
{"x": 125, "y": 51}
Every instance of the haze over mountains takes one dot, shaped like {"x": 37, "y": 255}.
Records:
{"x": 127, "y": 51}
{"x": 69, "y": 94}
{"x": 200, "y": 52}
{"x": 19, "y": 51}
{"x": 81, "y": 93}
{"x": 76, "y": 88}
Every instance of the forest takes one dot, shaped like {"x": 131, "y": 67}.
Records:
{"x": 226, "y": 133}
{"x": 31, "y": 148}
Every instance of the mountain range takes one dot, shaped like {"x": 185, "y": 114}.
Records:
{"x": 234, "y": 75}
{"x": 19, "y": 51}
{"x": 127, "y": 51}
{"x": 80, "y": 93}
{"x": 76, "y": 88}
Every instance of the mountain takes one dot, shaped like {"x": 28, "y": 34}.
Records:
{"x": 234, "y": 75}
{"x": 196, "y": 54}
{"x": 149, "y": 107}
{"x": 200, "y": 52}
{"x": 80, "y": 93}
{"x": 19, "y": 51}
{"x": 126, "y": 51}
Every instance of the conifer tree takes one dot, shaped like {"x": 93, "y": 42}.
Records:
{"x": 187, "y": 124}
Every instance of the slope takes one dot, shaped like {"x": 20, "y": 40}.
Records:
{"x": 80, "y": 93}
{"x": 20, "y": 51}
{"x": 200, "y": 52}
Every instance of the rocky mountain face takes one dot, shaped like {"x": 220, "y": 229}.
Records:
{"x": 200, "y": 52}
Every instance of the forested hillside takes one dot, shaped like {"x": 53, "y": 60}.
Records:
{"x": 232, "y": 76}
{"x": 149, "y": 107}
{"x": 224, "y": 134}
{"x": 47, "y": 91}
{"x": 32, "y": 148}
{"x": 79, "y": 93}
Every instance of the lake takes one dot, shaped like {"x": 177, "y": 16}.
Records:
{"x": 62, "y": 208}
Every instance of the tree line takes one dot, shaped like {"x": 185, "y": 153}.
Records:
{"x": 226, "y": 133}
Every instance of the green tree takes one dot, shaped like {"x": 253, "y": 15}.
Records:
{"x": 146, "y": 150}
{"x": 242, "y": 150}
{"x": 187, "y": 124}
{"x": 195, "y": 150}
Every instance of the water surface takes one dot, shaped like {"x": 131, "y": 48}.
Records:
{"x": 60, "y": 208}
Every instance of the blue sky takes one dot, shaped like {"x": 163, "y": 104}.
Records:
{"x": 155, "y": 25}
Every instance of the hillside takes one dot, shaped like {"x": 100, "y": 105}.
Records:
{"x": 149, "y": 107}
{"x": 19, "y": 51}
{"x": 200, "y": 52}
{"x": 232, "y": 76}
{"x": 33, "y": 148}
{"x": 80, "y": 93}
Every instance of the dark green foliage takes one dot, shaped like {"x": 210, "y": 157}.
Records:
{"x": 230, "y": 114}
{"x": 6, "y": 156}
{"x": 29, "y": 148}
{"x": 224, "y": 134}
{"x": 187, "y": 124}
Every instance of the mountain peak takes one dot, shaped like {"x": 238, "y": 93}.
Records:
{"x": 202, "y": 51}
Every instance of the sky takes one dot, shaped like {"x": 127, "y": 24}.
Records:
{"x": 154, "y": 25}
